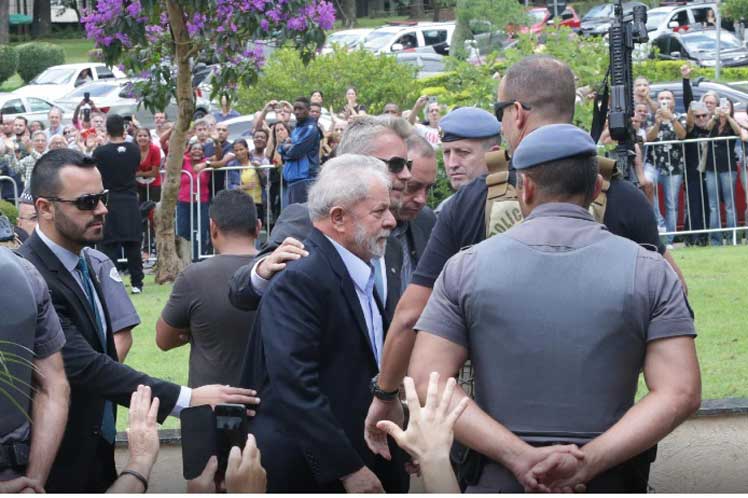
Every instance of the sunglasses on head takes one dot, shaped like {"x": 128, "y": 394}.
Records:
{"x": 498, "y": 107}
{"x": 700, "y": 115}
{"x": 397, "y": 164}
{"x": 87, "y": 202}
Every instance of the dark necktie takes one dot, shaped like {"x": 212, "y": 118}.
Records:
{"x": 108, "y": 430}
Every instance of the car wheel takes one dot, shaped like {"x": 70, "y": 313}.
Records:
{"x": 199, "y": 114}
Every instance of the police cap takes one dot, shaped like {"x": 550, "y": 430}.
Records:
{"x": 551, "y": 143}
{"x": 25, "y": 198}
{"x": 468, "y": 122}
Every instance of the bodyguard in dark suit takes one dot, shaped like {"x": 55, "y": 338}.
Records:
{"x": 70, "y": 202}
{"x": 317, "y": 342}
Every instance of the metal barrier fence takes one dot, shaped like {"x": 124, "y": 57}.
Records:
{"x": 693, "y": 203}
{"x": 15, "y": 187}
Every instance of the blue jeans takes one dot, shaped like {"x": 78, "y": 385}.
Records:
{"x": 671, "y": 185}
{"x": 653, "y": 176}
{"x": 296, "y": 192}
{"x": 720, "y": 185}
{"x": 200, "y": 212}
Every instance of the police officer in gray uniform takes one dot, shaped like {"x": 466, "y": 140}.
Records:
{"x": 30, "y": 342}
{"x": 559, "y": 316}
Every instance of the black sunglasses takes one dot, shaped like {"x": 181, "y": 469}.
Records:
{"x": 397, "y": 164}
{"x": 87, "y": 202}
{"x": 498, "y": 107}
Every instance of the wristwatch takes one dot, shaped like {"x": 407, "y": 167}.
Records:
{"x": 378, "y": 392}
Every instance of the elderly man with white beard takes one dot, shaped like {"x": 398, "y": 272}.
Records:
{"x": 317, "y": 341}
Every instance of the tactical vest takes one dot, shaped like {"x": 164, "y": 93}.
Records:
{"x": 502, "y": 206}
{"x": 555, "y": 358}
{"x": 17, "y": 331}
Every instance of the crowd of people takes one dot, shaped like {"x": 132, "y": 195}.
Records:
{"x": 707, "y": 166}
{"x": 346, "y": 327}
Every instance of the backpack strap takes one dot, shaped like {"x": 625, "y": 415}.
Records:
{"x": 607, "y": 168}
{"x": 497, "y": 181}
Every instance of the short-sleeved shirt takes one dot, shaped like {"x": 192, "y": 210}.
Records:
{"x": 219, "y": 332}
{"x": 118, "y": 164}
{"x": 658, "y": 297}
{"x": 668, "y": 158}
{"x": 461, "y": 223}
{"x": 122, "y": 313}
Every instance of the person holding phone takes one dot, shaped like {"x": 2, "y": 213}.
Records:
{"x": 667, "y": 158}
{"x": 429, "y": 128}
{"x": 83, "y": 112}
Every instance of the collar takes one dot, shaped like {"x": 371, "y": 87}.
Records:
{"x": 361, "y": 272}
{"x": 68, "y": 259}
{"x": 562, "y": 209}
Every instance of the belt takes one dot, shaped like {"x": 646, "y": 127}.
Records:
{"x": 14, "y": 455}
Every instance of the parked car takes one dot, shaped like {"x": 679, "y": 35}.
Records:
{"x": 426, "y": 64}
{"x": 541, "y": 17}
{"x": 117, "y": 97}
{"x": 31, "y": 108}
{"x": 679, "y": 18}
{"x": 701, "y": 47}
{"x": 596, "y": 22}
{"x": 56, "y": 81}
{"x": 348, "y": 38}
{"x": 410, "y": 37}
{"x": 737, "y": 92}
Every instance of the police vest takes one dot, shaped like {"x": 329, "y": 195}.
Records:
{"x": 502, "y": 206}
{"x": 17, "y": 331}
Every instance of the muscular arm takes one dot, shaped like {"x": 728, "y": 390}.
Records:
{"x": 168, "y": 337}
{"x": 49, "y": 414}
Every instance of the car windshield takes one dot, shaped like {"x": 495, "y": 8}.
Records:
{"x": 343, "y": 39}
{"x": 604, "y": 10}
{"x": 94, "y": 90}
{"x": 537, "y": 15}
{"x": 707, "y": 42}
{"x": 377, "y": 39}
{"x": 55, "y": 76}
{"x": 654, "y": 19}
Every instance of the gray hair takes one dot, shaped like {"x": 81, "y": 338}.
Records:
{"x": 343, "y": 181}
{"x": 420, "y": 146}
{"x": 361, "y": 132}
{"x": 698, "y": 106}
{"x": 56, "y": 109}
{"x": 710, "y": 93}
{"x": 38, "y": 133}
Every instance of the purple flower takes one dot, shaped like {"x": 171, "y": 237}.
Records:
{"x": 264, "y": 24}
{"x": 134, "y": 8}
{"x": 274, "y": 15}
{"x": 325, "y": 15}
{"x": 296, "y": 23}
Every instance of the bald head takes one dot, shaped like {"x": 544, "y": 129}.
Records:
{"x": 545, "y": 84}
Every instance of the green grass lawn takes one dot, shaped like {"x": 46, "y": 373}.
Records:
{"x": 718, "y": 291}
{"x": 75, "y": 51}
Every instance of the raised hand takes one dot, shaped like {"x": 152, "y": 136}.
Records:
{"x": 244, "y": 471}
{"x": 685, "y": 71}
{"x": 142, "y": 430}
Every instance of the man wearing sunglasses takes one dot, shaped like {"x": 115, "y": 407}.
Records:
{"x": 70, "y": 201}
{"x": 526, "y": 102}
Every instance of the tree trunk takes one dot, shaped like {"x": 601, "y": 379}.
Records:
{"x": 416, "y": 9}
{"x": 348, "y": 8}
{"x": 437, "y": 7}
{"x": 169, "y": 262}
{"x": 41, "y": 25}
{"x": 4, "y": 18}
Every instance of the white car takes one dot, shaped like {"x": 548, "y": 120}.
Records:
{"x": 348, "y": 38}
{"x": 116, "y": 97}
{"x": 678, "y": 18}
{"x": 31, "y": 108}
{"x": 411, "y": 37}
{"x": 56, "y": 81}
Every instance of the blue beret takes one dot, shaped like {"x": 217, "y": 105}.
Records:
{"x": 551, "y": 143}
{"x": 468, "y": 122}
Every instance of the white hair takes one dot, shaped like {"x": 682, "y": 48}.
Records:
{"x": 344, "y": 181}
{"x": 360, "y": 135}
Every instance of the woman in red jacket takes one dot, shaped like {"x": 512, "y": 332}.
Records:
{"x": 149, "y": 175}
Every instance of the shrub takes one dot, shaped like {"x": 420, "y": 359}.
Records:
{"x": 9, "y": 210}
{"x": 35, "y": 57}
{"x": 378, "y": 80}
{"x": 8, "y": 62}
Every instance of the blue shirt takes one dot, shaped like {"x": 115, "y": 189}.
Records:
{"x": 362, "y": 275}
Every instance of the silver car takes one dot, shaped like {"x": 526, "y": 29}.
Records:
{"x": 116, "y": 97}
{"x": 31, "y": 108}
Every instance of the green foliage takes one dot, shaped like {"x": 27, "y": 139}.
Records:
{"x": 35, "y": 57}
{"x": 734, "y": 9}
{"x": 378, "y": 80}
{"x": 9, "y": 210}
{"x": 441, "y": 189}
{"x": 8, "y": 62}
{"x": 657, "y": 71}
{"x": 496, "y": 13}
{"x": 463, "y": 84}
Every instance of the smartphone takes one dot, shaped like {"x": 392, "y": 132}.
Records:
{"x": 724, "y": 104}
{"x": 198, "y": 439}
{"x": 432, "y": 100}
{"x": 231, "y": 430}
{"x": 86, "y": 96}
{"x": 664, "y": 105}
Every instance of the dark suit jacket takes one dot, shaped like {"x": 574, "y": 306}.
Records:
{"x": 419, "y": 231}
{"x": 294, "y": 222}
{"x": 310, "y": 359}
{"x": 95, "y": 375}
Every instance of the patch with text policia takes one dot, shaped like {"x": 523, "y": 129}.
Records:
{"x": 502, "y": 205}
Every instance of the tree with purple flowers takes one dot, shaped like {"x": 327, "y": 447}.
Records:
{"x": 161, "y": 40}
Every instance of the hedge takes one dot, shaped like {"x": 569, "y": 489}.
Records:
{"x": 35, "y": 57}
{"x": 8, "y": 62}
{"x": 9, "y": 210}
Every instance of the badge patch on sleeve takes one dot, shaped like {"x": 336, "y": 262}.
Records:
{"x": 114, "y": 275}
